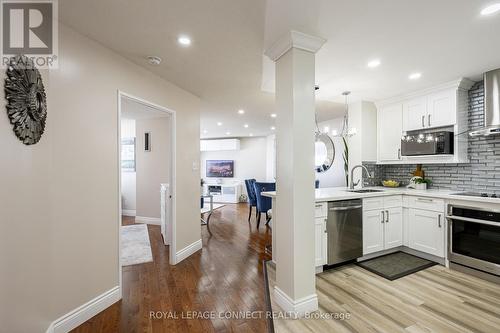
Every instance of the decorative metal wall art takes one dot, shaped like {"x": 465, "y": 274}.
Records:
{"x": 26, "y": 99}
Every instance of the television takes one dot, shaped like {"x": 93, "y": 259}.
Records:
{"x": 220, "y": 168}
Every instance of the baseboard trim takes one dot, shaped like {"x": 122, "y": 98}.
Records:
{"x": 78, "y": 316}
{"x": 187, "y": 251}
{"x": 128, "y": 212}
{"x": 297, "y": 307}
{"x": 148, "y": 220}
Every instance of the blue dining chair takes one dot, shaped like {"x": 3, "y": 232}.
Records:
{"x": 263, "y": 203}
{"x": 252, "y": 200}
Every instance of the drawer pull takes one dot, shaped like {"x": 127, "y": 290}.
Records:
{"x": 425, "y": 200}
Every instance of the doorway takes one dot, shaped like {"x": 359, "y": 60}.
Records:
{"x": 146, "y": 185}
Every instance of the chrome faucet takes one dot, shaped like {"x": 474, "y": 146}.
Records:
{"x": 351, "y": 186}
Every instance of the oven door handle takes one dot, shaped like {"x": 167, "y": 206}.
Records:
{"x": 468, "y": 219}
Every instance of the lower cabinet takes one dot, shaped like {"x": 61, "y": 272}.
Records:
{"x": 373, "y": 231}
{"x": 321, "y": 244}
{"x": 426, "y": 231}
{"x": 382, "y": 227}
{"x": 393, "y": 228}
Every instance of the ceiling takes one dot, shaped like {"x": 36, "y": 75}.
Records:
{"x": 225, "y": 67}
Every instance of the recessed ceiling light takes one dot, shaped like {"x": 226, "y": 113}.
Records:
{"x": 228, "y": 133}
{"x": 205, "y": 131}
{"x": 415, "y": 76}
{"x": 273, "y": 115}
{"x": 251, "y": 134}
{"x": 492, "y": 9}
{"x": 273, "y": 128}
{"x": 246, "y": 125}
{"x": 184, "y": 40}
{"x": 374, "y": 63}
{"x": 241, "y": 111}
{"x": 154, "y": 60}
{"x": 219, "y": 123}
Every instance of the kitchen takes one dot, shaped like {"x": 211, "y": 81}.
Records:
{"x": 442, "y": 138}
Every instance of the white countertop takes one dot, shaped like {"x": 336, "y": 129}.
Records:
{"x": 343, "y": 193}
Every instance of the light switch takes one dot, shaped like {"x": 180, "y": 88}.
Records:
{"x": 195, "y": 166}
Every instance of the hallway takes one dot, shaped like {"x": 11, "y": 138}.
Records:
{"x": 226, "y": 276}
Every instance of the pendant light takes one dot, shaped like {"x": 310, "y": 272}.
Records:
{"x": 346, "y": 132}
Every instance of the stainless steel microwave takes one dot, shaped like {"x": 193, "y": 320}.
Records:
{"x": 434, "y": 143}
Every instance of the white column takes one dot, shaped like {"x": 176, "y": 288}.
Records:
{"x": 294, "y": 218}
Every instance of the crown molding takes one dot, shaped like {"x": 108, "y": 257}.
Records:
{"x": 294, "y": 39}
{"x": 462, "y": 84}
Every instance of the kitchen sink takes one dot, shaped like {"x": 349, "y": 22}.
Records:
{"x": 365, "y": 191}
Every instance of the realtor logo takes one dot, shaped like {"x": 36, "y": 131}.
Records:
{"x": 30, "y": 28}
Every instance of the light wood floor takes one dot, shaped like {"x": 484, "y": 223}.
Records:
{"x": 433, "y": 300}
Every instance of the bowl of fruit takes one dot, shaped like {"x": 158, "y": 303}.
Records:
{"x": 390, "y": 183}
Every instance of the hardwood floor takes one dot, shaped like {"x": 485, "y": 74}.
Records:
{"x": 227, "y": 275}
{"x": 433, "y": 300}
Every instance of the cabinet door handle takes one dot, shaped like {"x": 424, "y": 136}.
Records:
{"x": 387, "y": 216}
{"x": 439, "y": 220}
{"x": 383, "y": 217}
{"x": 429, "y": 120}
{"x": 424, "y": 200}
{"x": 423, "y": 121}
{"x": 399, "y": 153}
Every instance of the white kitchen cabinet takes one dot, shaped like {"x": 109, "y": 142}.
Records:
{"x": 320, "y": 242}
{"x": 382, "y": 223}
{"x": 389, "y": 132}
{"x": 437, "y": 109}
{"x": 373, "y": 231}
{"x": 426, "y": 231}
{"x": 393, "y": 227}
{"x": 414, "y": 114}
{"x": 441, "y": 108}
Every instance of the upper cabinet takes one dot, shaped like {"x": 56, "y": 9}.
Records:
{"x": 431, "y": 110}
{"x": 442, "y": 107}
{"x": 389, "y": 131}
{"x": 414, "y": 114}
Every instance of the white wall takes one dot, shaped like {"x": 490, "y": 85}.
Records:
{"x": 271, "y": 158}
{"x": 249, "y": 161}
{"x": 363, "y": 145}
{"x": 335, "y": 176}
{"x": 153, "y": 167}
{"x": 60, "y": 198}
{"x": 128, "y": 178}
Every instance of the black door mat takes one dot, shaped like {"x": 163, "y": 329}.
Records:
{"x": 395, "y": 265}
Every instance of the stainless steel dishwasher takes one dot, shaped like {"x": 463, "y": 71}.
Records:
{"x": 345, "y": 231}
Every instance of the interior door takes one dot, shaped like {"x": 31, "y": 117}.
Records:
{"x": 166, "y": 214}
{"x": 373, "y": 231}
{"x": 393, "y": 228}
{"x": 389, "y": 123}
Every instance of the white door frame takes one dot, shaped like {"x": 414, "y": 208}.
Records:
{"x": 173, "y": 192}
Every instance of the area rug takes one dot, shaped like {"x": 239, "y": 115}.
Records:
{"x": 396, "y": 265}
{"x": 136, "y": 248}
{"x": 206, "y": 207}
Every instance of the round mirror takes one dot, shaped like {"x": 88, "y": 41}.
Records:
{"x": 325, "y": 152}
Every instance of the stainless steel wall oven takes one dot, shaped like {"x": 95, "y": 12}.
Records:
{"x": 474, "y": 238}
